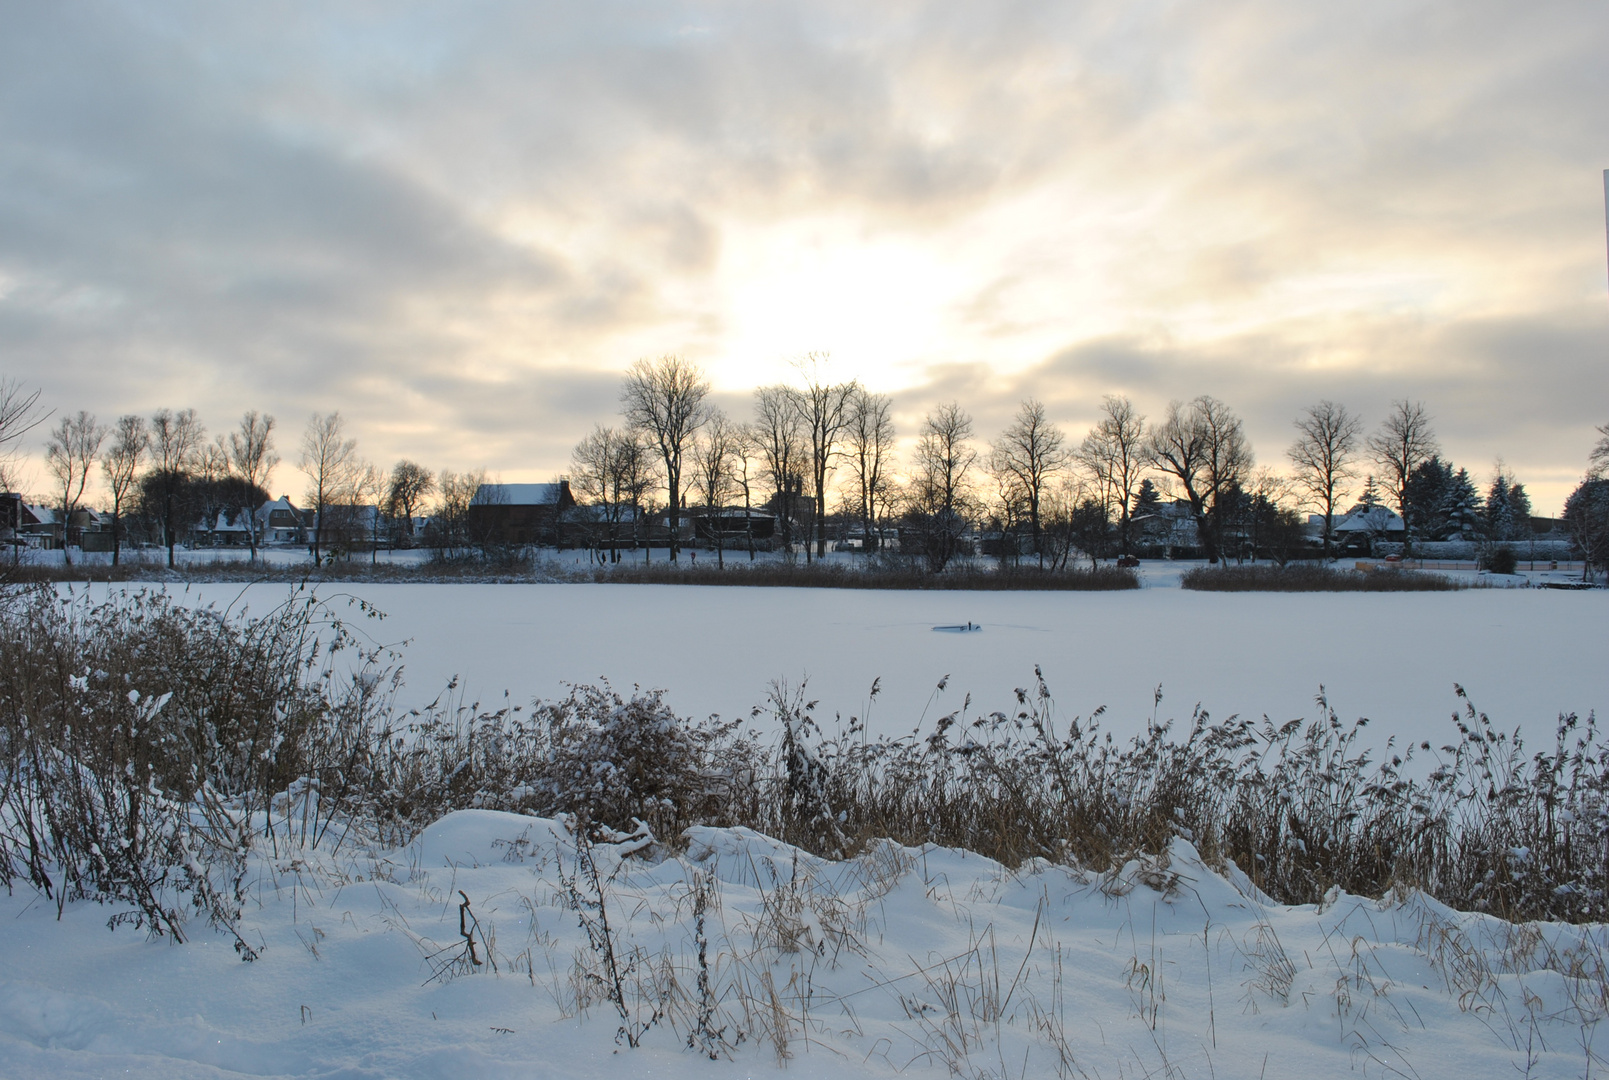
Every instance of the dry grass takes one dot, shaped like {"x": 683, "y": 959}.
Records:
{"x": 882, "y": 574}
{"x": 516, "y": 568}
{"x": 524, "y": 566}
{"x": 1309, "y": 577}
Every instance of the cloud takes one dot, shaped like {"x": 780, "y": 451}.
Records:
{"x": 456, "y": 223}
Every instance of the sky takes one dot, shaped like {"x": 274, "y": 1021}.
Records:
{"x": 458, "y": 223}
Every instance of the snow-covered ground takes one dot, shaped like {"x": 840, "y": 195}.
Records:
{"x": 927, "y": 962}
{"x": 1524, "y": 655}
{"x": 903, "y": 962}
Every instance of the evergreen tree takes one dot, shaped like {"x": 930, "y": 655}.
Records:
{"x": 1586, "y": 516}
{"x": 1461, "y": 508}
{"x": 1425, "y": 493}
{"x": 1519, "y": 509}
{"x": 1499, "y": 517}
{"x": 1148, "y": 509}
{"x": 1370, "y": 497}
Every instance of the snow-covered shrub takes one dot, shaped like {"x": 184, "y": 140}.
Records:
{"x": 1499, "y": 559}
{"x": 141, "y": 742}
{"x": 609, "y": 760}
{"x": 616, "y": 761}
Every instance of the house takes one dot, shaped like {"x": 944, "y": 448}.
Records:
{"x": 1359, "y": 527}
{"x": 90, "y": 530}
{"x": 519, "y": 514}
{"x": 732, "y": 526}
{"x": 1168, "y": 530}
{"x": 1370, "y": 521}
{"x": 352, "y": 525}
{"x": 38, "y": 526}
{"x": 279, "y": 522}
{"x": 230, "y": 529}
{"x": 603, "y": 524}
{"x": 11, "y": 517}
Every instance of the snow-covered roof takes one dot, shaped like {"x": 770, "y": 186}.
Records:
{"x": 1375, "y": 520}
{"x": 518, "y": 494}
{"x": 281, "y": 503}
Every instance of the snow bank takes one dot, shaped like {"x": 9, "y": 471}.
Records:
{"x": 920, "y": 961}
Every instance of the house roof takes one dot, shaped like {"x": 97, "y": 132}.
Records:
{"x": 1376, "y": 520}
{"x": 519, "y": 494}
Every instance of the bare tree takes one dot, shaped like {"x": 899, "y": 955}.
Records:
{"x": 450, "y": 524}
{"x": 70, "y": 454}
{"x": 1114, "y": 453}
{"x": 1266, "y": 516}
{"x": 1323, "y": 454}
{"x": 636, "y": 474}
{"x": 1598, "y": 460}
{"x": 19, "y": 414}
{"x": 664, "y": 399}
{"x": 869, "y": 448}
{"x": 1026, "y": 456}
{"x": 214, "y": 496}
{"x": 1202, "y": 445}
{"x": 120, "y": 464}
{"x": 824, "y": 410}
{"x": 368, "y": 490}
{"x": 409, "y": 485}
{"x": 1403, "y": 443}
{"x": 712, "y": 459}
{"x": 939, "y": 497}
{"x": 780, "y": 436}
{"x": 252, "y": 460}
{"x": 595, "y": 478}
{"x": 745, "y": 472}
{"x": 331, "y": 463}
{"x": 175, "y": 446}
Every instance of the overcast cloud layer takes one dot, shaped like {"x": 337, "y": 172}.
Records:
{"x": 457, "y": 223}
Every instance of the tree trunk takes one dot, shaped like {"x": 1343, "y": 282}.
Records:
{"x": 167, "y": 524}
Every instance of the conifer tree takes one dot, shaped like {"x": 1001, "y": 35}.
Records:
{"x": 1461, "y": 508}
{"x": 1498, "y": 513}
{"x": 1519, "y": 509}
{"x": 1425, "y": 496}
{"x": 1148, "y": 509}
{"x": 1370, "y": 497}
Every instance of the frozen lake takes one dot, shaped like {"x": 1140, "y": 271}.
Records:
{"x": 1523, "y": 655}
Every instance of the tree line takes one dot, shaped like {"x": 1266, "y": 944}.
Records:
{"x": 1032, "y": 487}
{"x": 814, "y": 450}
{"x": 165, "y": 480}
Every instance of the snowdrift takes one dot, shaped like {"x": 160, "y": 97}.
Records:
{"x": 500, "y": 945}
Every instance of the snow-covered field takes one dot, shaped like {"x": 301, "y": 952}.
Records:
{"x": 928, "y": 962}
{"x": 905, "y": 961}
{"x": 1524, "y": 655}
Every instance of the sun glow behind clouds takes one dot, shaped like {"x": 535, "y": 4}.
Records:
{"x": 878, "y": 304}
